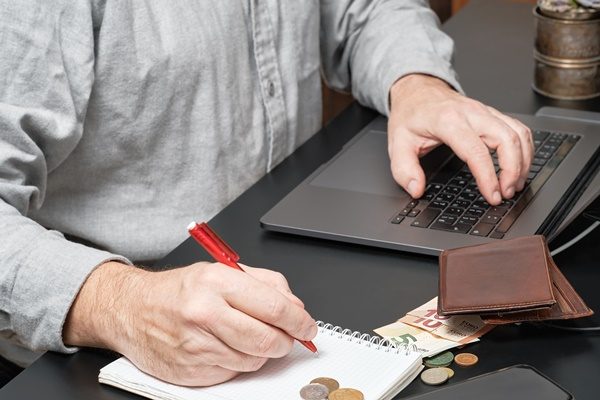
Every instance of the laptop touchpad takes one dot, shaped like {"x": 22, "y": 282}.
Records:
{"x": 364, "y": 166}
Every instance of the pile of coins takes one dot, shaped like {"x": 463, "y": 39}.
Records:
{"x": 438, "y": 371}
{"x": 324, "y": 388}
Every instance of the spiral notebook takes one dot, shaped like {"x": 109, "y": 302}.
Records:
{"x": 355, "y": 360}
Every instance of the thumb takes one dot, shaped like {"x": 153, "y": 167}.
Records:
{"x": 406, "y": 169}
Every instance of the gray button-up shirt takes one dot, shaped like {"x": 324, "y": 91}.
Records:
{"x": 122, "y": 120}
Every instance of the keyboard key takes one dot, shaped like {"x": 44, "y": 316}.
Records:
{"x": 412, "y": 204}
{"x": 499, "y": 211}
{"x": 413, "y": 213}
{"x": 453, "y": 190}
{"x": 458, "y": 182}
{"x": 444, "y": 197}
{"x": 404, "y": 212}
{"x": 438, "y": 204}
{"x": 468, "y": 220}
{"x": 397, "y": 219}
{"x": 467, "y": 196}
{"x": 426, "y": 217}
{"x": 535, "y": 168}
{"x": 490, "y": 219}
{"x": 540, "y": 135}
{"x": 497, "y": 235}
{"x": 482, "y": 205}
{"x": 533, "y": 188}
{"x": 482, "y": 229}
{"x": 447, "y": 219}
{"x": 436, "y": 187}
{"x": 475, "y": 212}
{"x": 455, "y": 210}
{"x": 463, "y": 175}
{"x": 531, "y": 175}
{"x": 549, "y": 148}
{"x": 460, "y": 203}
{"x": 543, "y": 154}
{"x": 539, "y": 161}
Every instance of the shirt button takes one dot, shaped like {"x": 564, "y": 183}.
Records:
{"x": 271, "y": 89}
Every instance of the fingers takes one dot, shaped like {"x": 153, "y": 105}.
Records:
{"x": 505, "y": 140}
{"x": 526, "y": 144}
{"x": 201, "y": 375}
{"x": 274, "y": 279}
{"x": 269, "y": 305}
{"x": 250, "y": 336}
{"x": 406, "y": 168}
{"x": 221, "y": 355}
{"x": 485, "y": 129}
{"x": 469, "y": 147}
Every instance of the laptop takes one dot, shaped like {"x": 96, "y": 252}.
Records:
{"x": 354, "y": 198}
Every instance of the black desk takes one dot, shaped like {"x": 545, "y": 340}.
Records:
{"x": 363, "y": 288}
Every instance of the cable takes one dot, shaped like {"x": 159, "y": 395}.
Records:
{"x": 575, "y": 239}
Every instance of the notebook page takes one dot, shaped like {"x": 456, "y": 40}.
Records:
{"x": 377, "y": 373}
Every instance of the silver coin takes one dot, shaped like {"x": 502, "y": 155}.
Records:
{"x": 314, "y": 391}
{"x": 434, "y": 376}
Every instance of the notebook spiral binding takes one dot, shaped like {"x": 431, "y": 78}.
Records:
{"x": 365, "y": 338}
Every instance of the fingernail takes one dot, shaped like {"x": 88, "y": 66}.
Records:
{"x": 311, "y": 331}
{"x": 497, "y": 197}
{"x": 413, "y": 186}
{"x": 510, "y": 192}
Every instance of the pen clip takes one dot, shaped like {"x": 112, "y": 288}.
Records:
{"x": 213, "y": 244}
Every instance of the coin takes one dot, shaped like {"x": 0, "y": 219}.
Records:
{"x": 346, "y": 394}
{"x": 330, "y": 383}
{"x": 441, "y": 360}
{"x": 314, "y": 391}
{"x": 450, "y": 371}
{"x": 434, "y": 376}
{"x": 466, "y": 359}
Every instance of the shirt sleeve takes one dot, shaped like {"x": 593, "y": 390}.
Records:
{"x": 46, "y": 75}
{"x": 366, "y": 45}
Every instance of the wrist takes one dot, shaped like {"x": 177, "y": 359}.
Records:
{"x": 411, "y": 84}
{"x": 103, "y": 311}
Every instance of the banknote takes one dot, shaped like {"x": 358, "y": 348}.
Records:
{"x": 427, "y": 344}
{"x": 462, "y": 329}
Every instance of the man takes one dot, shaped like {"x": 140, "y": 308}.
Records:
{"x": 120, "y": 121}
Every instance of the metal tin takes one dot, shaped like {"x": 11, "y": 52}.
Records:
{"x": 566, "y": 79}
{"x": 567, "y": 39}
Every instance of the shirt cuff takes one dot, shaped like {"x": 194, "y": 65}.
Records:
{"x": 47, "y": 283}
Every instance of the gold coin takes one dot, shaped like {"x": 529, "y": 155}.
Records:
{"x": 346, "y": 394}
{"x": 466, "y": 359}
{"x": 450, "y": 371}
{"x": 330, "y": 383}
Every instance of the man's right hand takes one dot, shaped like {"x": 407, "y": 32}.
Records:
{"x": 195, "y": 326}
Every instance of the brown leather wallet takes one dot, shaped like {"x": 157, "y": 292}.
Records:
{"x": 506, "y": 281}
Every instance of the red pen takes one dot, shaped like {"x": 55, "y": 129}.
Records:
{"x": 220, "y": 251}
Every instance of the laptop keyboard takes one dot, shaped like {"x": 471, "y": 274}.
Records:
{"x": 453, "y": 203}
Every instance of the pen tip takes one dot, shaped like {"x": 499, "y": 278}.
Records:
{"x": 191, "y": 226}
{"x": 316, "y": 354}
